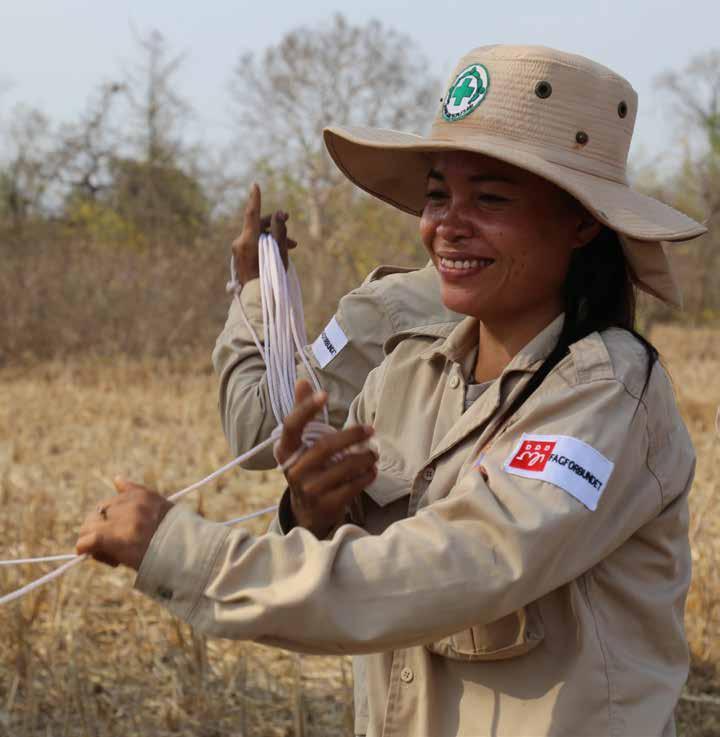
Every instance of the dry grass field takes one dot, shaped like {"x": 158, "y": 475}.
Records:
{"x": 86, "y": 656}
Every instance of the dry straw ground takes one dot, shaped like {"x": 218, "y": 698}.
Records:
{"x": 87, "y": 656}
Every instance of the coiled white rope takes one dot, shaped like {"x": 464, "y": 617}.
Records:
{"x": 284, "y": 332}
{"x": 283, "y": 326}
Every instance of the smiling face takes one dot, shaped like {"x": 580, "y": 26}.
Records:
{"x": 500, "y": 237}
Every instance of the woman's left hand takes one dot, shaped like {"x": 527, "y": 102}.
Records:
{"x": 119, "y": 531}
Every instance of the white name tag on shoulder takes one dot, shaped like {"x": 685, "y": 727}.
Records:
{"x": 329, "y": 343}
{"x": 574, "y": 466}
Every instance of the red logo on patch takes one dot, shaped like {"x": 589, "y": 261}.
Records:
{"x": 532, "y": 456}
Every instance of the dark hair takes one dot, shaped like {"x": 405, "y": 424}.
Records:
{"x": 598, "y": 294}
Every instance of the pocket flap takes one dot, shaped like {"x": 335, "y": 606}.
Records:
{"x": 509, "y": 637}
{"x": 389, "y": 486}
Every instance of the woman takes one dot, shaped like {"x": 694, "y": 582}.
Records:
{"x": 517, "y": 563}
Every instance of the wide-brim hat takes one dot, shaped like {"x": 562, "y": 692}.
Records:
{"x": 557, "y": 115}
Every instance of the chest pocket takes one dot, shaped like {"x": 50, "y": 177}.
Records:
{"x": 513, "y": 635}
{"x": 390, "y": 485}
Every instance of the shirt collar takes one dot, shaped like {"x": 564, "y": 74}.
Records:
{"x": 463, "y": 339}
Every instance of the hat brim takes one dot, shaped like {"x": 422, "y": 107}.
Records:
{"x": 393, "y": 167}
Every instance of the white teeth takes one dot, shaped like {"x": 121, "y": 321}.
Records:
{"x": 466, "y": 264}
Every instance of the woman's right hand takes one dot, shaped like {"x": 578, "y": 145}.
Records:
{"x": 321, "y": 486}
{"x": 245, "y": 246}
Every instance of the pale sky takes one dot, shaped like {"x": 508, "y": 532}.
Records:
{"x": 54, "y": 53}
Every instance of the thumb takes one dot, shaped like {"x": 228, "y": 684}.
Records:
{"x": 123, "y": 486}
{"x": 120, "y": 484}
{"x": 303, "y": 390}
{"x": 306, "y": 407}
{"x": 251, "y": 220}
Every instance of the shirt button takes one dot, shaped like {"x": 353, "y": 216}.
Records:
{"x": 428, "y": 473}
{"x": 406, "y": 675}
{"x": 454, "y": 382}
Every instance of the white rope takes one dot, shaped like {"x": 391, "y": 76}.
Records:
{"x": 283, "y": 326}
{"x": 73, "y": 559}
{"x": 284, "y": 332}
{"x": 237, "y": 461}
{"x": 41, "y": 581}
{"x": 43, "y": 559}
{"x": 251, "y": 515}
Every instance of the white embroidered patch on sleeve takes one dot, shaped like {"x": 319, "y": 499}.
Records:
{"x": 329, "y": 343}
{"x": 566, "y": 462}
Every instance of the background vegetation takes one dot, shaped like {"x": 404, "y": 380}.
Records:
{"x": 114, "y": 238}
{"x": 114, "y": 232}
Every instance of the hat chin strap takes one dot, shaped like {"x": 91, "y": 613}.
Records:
{"x": 651, "y": 270}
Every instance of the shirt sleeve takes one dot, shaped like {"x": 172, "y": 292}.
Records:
{"x": 244, "y": 398}
{"x": 495, "y": 543}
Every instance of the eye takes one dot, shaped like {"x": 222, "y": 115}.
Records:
{"x": 435, "y": 194}
{"x": 492, "y": 198}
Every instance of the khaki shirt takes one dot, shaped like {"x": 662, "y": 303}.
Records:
{"x": 447, "y": 549}
{"x": 391, "y": 300}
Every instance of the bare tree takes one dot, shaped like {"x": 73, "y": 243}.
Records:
{"x": 696, "y": 93}
{"x": 336, "y": 74}
{"x": 87, "y": 148}
{"x": 155, "y": 185}
{"x": 156, "y": 107}
{"x": 29, "y": 169}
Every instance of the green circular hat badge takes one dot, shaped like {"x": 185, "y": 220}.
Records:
{"x": 466, "y": 92}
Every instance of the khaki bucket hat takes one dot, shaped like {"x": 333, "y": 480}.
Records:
{"x": 557, "y": 115}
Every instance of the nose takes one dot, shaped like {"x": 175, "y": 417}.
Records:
{"x": 454, "y": 225}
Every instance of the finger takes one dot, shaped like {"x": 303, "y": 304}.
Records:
{"x": 278, "y": 228}
{"x": 123, "y": 486}
{"x": 252, "y": 206}
{"x": 295, "y": 423}
{"x": 99, "y": 555}
{"x": 88, "y": 543}
{"x": 279, "y": 233}
{"x": 350, "y": 467}
{"x": 343, "y": 495}
{"x": 89, "y": 525}
{"x": 291, "y": 244}
{"x": 251, "y": 218}
{"x": 321, "y": 454}
{"x": 100, "y": 558}
{"x": 246, "y": 239}
{"x": 303, "y": 390}
{"x": 297, "y": 420}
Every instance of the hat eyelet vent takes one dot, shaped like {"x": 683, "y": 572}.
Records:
{"x": 582, "y": 138}
{"x": 622, "y": 109}
{"x": 543, "y": 89}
